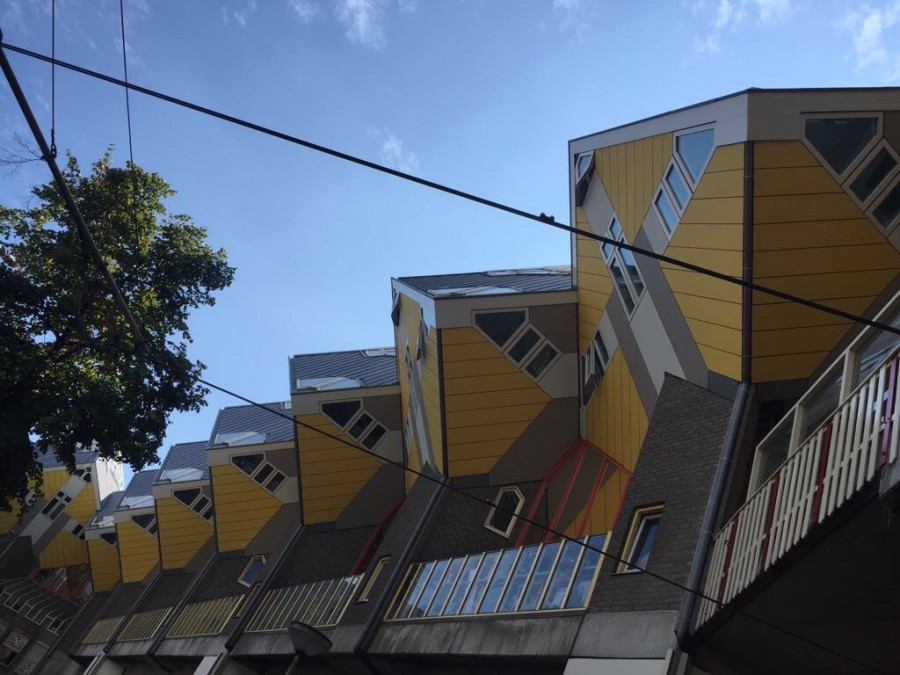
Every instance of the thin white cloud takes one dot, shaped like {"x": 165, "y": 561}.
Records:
{"x": 874, "y": 38}
{"x": 242, "y": 15}
{"x": 364, "y": 22}
{"x": 306, "y": 10}
{"x": 392, "y": 151}
{"x": 708, "y": 45}
{"x": 406, "y": 6}
{"x": 732, "y": 15}
{"x": 576, "y": 14}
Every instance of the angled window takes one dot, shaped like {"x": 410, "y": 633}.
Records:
{"x": 360, "y": 424}
{"x": 887, "y": 211}
{"x": 499, "y": 327}
{"x": 839, "y": 141}
{"x": 373, "y": 577}
{"x": 873, "y": 174}
{"x": 110, "y": 538}
{"x": 694, "y": 150}
{"x": 681, "y": 193}
{"x": 371, "y": 439}
{"x": 327, "y": 383}
{"x": 623, "y": 268}
{"x": 584, "y": 169}
{"x": 341, "y": 412}
{"x": 252, "y": 571}
{"x": 594, "y": 365}
{"x": 641, "y": 535}
{"x": 507, "y": 505}
{"x": 666, "y": 211}
{"x": 247, "y": 463}
{"x": 236, "y": 438}
{"x": 541, "y": 360}
{"x": 146, "y": 521}
{"x": 524, "y": 344}
{"x": 186, "y": 497}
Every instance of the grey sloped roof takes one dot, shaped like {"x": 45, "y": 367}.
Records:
{"x": 495, "y": 282}
{"x": 138, "y": 492}
{"x": 184, "y": 461}
{"x": 251, "y": 418}
{"x": 49, "y": 461}
{"x": 372, "y": 367}
{"x": 110, "y": 503}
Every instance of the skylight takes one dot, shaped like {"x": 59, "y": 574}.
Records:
{"x": 137, "y": 502}
{"x": 469, "y": 291}
{"x": 240, "y": 438}
{"x": 327, "y": 383}
{"x": 186, "y": 473}
{"x": 380, "y": 351}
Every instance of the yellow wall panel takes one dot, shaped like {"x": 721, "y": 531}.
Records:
{"x": 630, "y": 173}
{"x": 475, "y": 441}
{"x": 615, "y": 418}
{"x": 83, "y": 506}
{"x": 243, "y": 507}
{"x": 810, "y": 240}
{"x": 592, "y": 281}
{"x": 431, "y": 391}
{"x": 105, "y": 572}
{"x": 710, "y": 234}
{"x": 62, "y": 551}
{"x": 53, "y": 481}
{"x": 604, "y": 510}
{"x": 332, "y": 473}
{"x": 9, "y": 518}
{"x": 138, "y": 551}
{"x": 182, "y": 532}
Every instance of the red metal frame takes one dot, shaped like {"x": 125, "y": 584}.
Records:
{"x": 728, "y": 551}
{"x": 770, "y": 516}
{"x": 567, "y": 491}
{"x": 820, "y": 474}
{"x": 370, "y": 542}
{"x": 889, "y": 414}
{"x": 591, "y": 498}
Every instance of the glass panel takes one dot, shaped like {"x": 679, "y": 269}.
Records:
{"x": 500, "y": 326}
{"x": 601, "y": 347}
{"x": 372, "y": 438}
{"x": 247, "y": 463}
{"x": 633, "y": 272}
{"x": 507, "y": 503}
{"x": 518, "y": 579}
{"x": 264, "y": 473}
{"x": 542, "y": 359}
{"x": 341, "y": 412}
{"x": 889, "y": 208}
{"x": 775, "y": 451}
{"x": 437, "y": 605}
{"x": 644, "y": 543}
{"x": 492, "y": 596}
{"x": 251, "y": 572}
{"x": 694, "y": 149}
{"x": 201, "y": 504}
{"x": 583, "y": 163}
{"x": 524, "y": 345}
{"x": 360, "y": 425}
{"x": 556, "y": 592}
{"x": 873, "y": 175}
{"x": 276, "y": 480}
{"x": 541, "y": 576}
{"x": 624, "y": 291}
{"x": 615, "y": 230}
{"x": 482, "y": 578}
{"x": 462, "y": 586}
{"x": 143, "y": 520}
{"x": 821, "y": 405}
{"x": 679, "y": 188}
{"x": 839, "y": 141}
{"x": 667, "y": 211}
{"x": 607, "y": 250}
{"x": 416, "y": 591}
{"x": 876, "y": 349}
{"x": 581, "y": 587}
{"x": 187, "y": 496}
{"x": 430, "y": 589}
{"x": 109, "y": 538}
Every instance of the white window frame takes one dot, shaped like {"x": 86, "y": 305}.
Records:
{"x": 617, "y": 255}
{"x": 512, "y": 338}
{"x": 359, "y": 413}
{"x": 370, "y": 582}
{"x": 192, "y": 506}
{"x": 512, "y": 521}
{"x": 639, "y": 520}
{"x": 676, "y": 156}
{"x": 588, "y": 369}
{"x": 152, "y": 524}
{"x": 851, "y": 168}
{"x": 268, "y": 479}
{"x": 876, "y": 202}
{"x": 252, "y": 560}
{"x": 882, "y": 188}
{"x": 665, "y": 189}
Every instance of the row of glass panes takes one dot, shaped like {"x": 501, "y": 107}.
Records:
{"x": 540, "y": 577}
{"x": 623, "y": 268}
{"x": 143, "y": 625}
{"x": 318, "y": 603}
{"x": 204, "y": 618}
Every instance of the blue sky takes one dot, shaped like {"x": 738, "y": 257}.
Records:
{"x": 480, "y": 94}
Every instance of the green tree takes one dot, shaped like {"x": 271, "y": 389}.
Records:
{"x": 70, "y": 373}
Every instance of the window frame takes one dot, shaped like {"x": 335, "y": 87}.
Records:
{"x": 582, "y": 181}
{"x": 200, "y": 496}
{"x": 588, "y": 368}
{"x": 882, "y": 189}
{"x": 269, "y": 478}
{"x": 380, "y": 564}
{"x": 876, "y": 202}
{"x": 512, "y": 521}
{"x": 252, "y": 560}
{"x": 515, "y": 334}
{"x": 639, "y": 518}
{"x": 685, "y": 173}
{"x": 616, "y": 255}
{"x": 369, "y": 428}
{"x": 832, "y": 115}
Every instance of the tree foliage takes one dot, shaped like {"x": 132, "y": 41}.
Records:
{"x": 70, "y": 374}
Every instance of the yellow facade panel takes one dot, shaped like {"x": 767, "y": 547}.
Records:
{"x": 726, "y": 158}
{"x": 53, "y": 481}
{"x": 83, "y": 506}
{"x": 718, "y": 236}
{"x": 243, "y": 507}
{"x": 492, "y": 431}
{"x": 499, "y": 415}
{"x": 813, "y": 241}
{"x": 684, "y": 282}
{"x": 138, "y": 551}
{"x": 453, "y": 353}
{"x": 726, "y": 210}
{"x": 182, "y": 532}
{"x": 615, "y": 418}
{"x": 105, "y": 573}
{"x": 717, "y": 312}
{"x": 718, "y": 260}
{"x": 62, "y": 551}
{"x": 630, "y": 173}
{"x": 467, "y": 369}
{"x": 431, "y": 392}
{"x": 724, "y": 363}
{"x": 9, "y": 518}
{"x": 714, "y": 335}
{"x": 603, "y": 511}
{"x": 723, "y": 184}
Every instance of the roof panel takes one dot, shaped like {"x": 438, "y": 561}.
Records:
{"x": 371, "y": 367}
{"x": 526, "y": 280}
{"x": 272, "y": 421}
{"x": 184, "y": 461}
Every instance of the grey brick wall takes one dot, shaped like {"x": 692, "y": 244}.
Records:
{"x": 167, "y": 591}
{"x": 675, "y": 468}
{"x": 123, "y": 601}
{"x": 222, "y": 580}
{"x": 323, "y": 555}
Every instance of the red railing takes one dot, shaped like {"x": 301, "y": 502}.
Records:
{"x": 829, "y": 468}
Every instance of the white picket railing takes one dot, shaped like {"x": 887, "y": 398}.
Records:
{"x": 829, "y": 468}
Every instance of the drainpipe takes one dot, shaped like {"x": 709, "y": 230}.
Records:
{"x": 368, "y": 634}
{"x": 682, "y": 628}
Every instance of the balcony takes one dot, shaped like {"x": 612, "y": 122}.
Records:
{"x": 827, "y": 469}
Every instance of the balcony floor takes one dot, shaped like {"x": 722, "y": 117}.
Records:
{"x": 841, "y": 589}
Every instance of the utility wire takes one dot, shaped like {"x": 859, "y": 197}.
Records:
{"x": 127, "y": 91}
{"x": 53, "y": 78}
{"x": 539, "y": 218}
{"x": 141, "y": 351}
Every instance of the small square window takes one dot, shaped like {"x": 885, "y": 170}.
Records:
{"x": 641, "y": 535}
{"x": 507, "y": 505}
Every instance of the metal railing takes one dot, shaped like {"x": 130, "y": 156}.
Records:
{"x": 102, "y": 630}
{"x": 538, "y": 578}
{"x": 829, "y": 468}
{"x": 143, "y": 625}
{"x": 207, "y": 617}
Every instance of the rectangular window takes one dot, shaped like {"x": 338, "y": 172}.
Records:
{"x": 623, "y": 268}
{"x": 641, "y": 535}
{"x": 379, "y": 565}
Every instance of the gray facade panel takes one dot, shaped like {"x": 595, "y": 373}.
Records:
{"x": 558, "y": 323}
{"x": 892, "y": 128}
{"x": 323, "y": 555}
{"x": 626, "y": 635}
{"x": 385, "y": 409}
{"x": 375, "y": 499}
{"x": 633, "y": 357}
{"x": 279, "y": 527}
